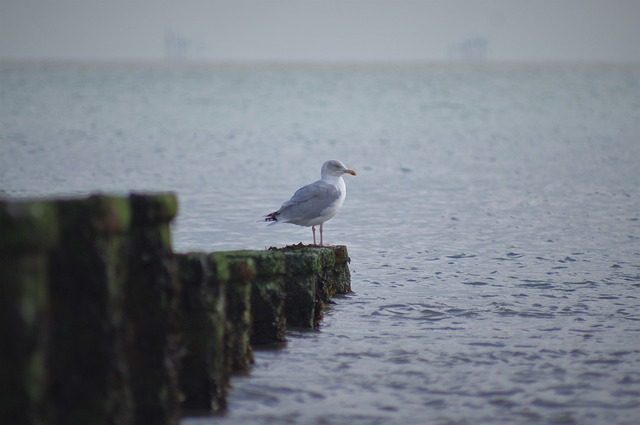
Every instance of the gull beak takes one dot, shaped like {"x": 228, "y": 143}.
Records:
{"x": 353, "y": 173}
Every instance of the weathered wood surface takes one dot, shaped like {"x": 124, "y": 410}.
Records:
{"x": 103, "y": 323}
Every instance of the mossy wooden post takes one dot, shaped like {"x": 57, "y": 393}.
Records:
{"x": 151, "y": 310}
{"x": 335, "y": 277}
{"x": 27, "y": 231}
{"x": 267, "y": 295}
{"x": 336, "y": 270}
{"x": 203, "y": 377}
{"x": 238, "y": 355}
{"x": 303, "y": 268}
{"x": 88, "y": 375}
{"x": 313, "y": 275}
{"x": 267, "y": 298}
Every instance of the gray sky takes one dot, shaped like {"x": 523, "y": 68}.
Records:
{"x": 511, "y": 30}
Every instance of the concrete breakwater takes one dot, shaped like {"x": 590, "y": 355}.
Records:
{"x": 102, "y": 323}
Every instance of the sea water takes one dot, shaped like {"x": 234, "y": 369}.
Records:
{"x": 493, "y": 226}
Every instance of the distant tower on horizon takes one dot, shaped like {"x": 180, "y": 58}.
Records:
{"x": 179, "y": 47}
{"x": 472, "y": 49}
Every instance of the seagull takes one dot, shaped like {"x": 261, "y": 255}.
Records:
{"x": 317, "y": 202}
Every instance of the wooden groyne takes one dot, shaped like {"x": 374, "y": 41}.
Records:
{"x": 102, "y": 323}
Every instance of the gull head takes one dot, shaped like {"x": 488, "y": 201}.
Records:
{"x": 335, "y": 168}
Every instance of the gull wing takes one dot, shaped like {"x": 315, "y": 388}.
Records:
{"x": 309, "y": 201}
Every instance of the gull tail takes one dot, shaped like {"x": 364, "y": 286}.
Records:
{"x": 273, "y": 218}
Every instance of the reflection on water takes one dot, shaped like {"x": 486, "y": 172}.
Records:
{"x": 493, "y": 226}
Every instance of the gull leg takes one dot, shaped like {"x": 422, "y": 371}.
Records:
{"x": 321, "y": 235}
{"x": 313, "y": 229}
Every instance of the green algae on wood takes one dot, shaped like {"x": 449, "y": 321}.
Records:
{"x": 27, "y": 226}
{"x": 151, "y": 310}
{"x": 88, "y": 377}
{"x": 301, "y": 281}
{"x": 27, "y": 231}
{"x": 335, "y": 276}
{"x": 239, "y": 272}
{"x": 203, "y": 375}
{"x": 267, "y": 295}
{"x": 314, "y": 275}
{"x": 121, "y": 305}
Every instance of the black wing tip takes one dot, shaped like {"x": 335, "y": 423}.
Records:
{"x": 271, "y": 217}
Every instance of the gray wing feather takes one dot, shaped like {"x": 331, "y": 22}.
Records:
{"x": 309, "y": 201}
